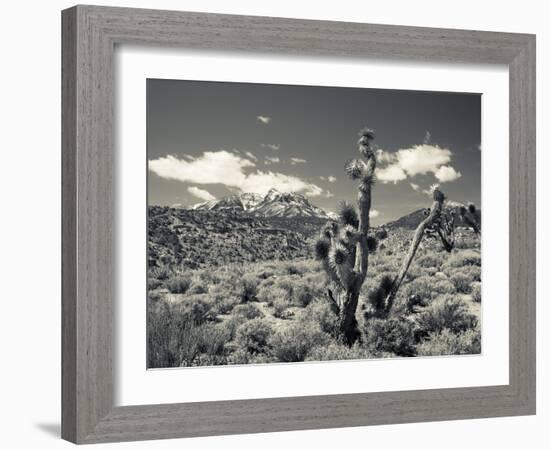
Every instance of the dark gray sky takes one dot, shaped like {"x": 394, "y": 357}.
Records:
{"x": 210, "y": 139}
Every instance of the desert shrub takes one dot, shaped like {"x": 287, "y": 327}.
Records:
{"x": 475, "y": 291}
{"x": 461, "y": 282}
{"x": 248, "y": 289}
{"x": 427, "y": 287}
{"x": 232, "y": 325}
{"x": 446, "y": 312}
{"x": 198, "y": 285}
{"x": 473, "y": 272}
{"x": 285, "y": 284}
{"x": 248, "y": 311}
{"x": 239, "y": 356}
{"x": 414, "y": 303}
{"x": 153, "y": 283}
{"x": 430, "y": 260}
{"x": 178, "y": 284}
{"x": 254, "y": 335}
{"x": 264, "y": 274}
{"x": 316, "y": 281}
{"x": 154, "y": 296}
{"x": 469, "y": 273}
{"x": 302, "y": 295}
{"x": 293, "y": 269}
{"x": 430, "y": 271}
{"x": 272, "y": 294}
{"x": 280, "y": 309}
{"x": 320, "y": 313}
{"x": 394, "y": 335}
{"x": 189, "y": 338}
{"x": 173, "y": 338}
{"x": 381, "y": 233}
{"x": 160, "y": 273}
{"x": 335, "y": 351}
{"x": 213, "y": 340}
{"x": 223, "y": 304}
{"x": 447, "y": 343}
{"x": 211, "y": 277}
{"x": 385, "y": 263}
{"x": 421, "y": 286}
{"x": 463, "y": 258}
{"x": 442, "y": 286}
{"x": 198, "y": 307}
{"x": 413, "y": 273}
{"x": 468, "y": 241}
{"x": 265, "y": 285}
{"x": 293, "y": 342}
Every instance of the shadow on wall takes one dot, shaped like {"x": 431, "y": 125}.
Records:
{"x": 53, "y": 429}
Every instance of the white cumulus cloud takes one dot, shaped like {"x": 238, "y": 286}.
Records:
{"x": 415, "y": 186}
{"x": 422, "y": 159}
{"x": 200, "y": 193}
{"x": 447, "y": 173}
{"x": 231, "y": 170}
{"x": 295, "y": 161}
{"x": 263, "y": 119}
{"x": 417, "y": 160}
{"x": 390, "y": 174}
{"x": 374, "y": 213}
{"x": 330, "y": 179}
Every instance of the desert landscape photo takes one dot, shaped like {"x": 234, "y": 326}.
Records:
{"x": 303, "y": 223}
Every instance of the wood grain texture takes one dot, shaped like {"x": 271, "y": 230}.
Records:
{"x": 89, "y": 36}
{"x": 68, "y": 226}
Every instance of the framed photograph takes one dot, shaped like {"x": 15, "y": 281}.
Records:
{"x": 277, "y": 224}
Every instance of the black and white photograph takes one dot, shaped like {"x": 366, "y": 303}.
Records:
{"x": 293, "y": 223}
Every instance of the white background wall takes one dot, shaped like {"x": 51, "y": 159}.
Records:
{"x": 31, "y": 208}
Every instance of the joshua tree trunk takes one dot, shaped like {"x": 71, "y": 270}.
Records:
{"x": 347, "y": 323}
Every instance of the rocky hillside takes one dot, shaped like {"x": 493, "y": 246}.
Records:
{"x": 247, "y": 228}
{"x": 223, "y": 235}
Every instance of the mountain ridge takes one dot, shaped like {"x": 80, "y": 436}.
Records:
{"x": 272, "y": 204}
{"x": 413, "y": 219}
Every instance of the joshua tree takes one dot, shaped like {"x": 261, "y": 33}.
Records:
{"x": 436, "y": 221}
{"x": 343, "y": 248}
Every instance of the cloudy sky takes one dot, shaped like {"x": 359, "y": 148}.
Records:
{"x": 206, "y": 140}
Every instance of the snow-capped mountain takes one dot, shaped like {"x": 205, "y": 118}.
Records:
{"x": 242, "y": 202}
{"x": 227, "y": 203}
{"x": 249, "y": 200}
{"x": 287, "y": 204}
{"x": 273, "y": 204}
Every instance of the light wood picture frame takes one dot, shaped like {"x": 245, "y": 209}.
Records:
{"x": 90, "y": 34}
